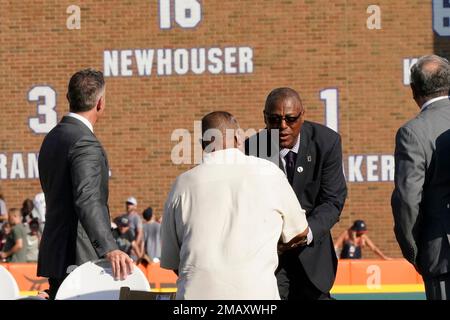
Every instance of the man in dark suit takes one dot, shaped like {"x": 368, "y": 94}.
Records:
{"x": 421, "y": 198}
{"x": 74, "y": 174}
{"x": 311, "y": 156}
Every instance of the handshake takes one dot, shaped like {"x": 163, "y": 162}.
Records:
{"x": 298, "y": 241}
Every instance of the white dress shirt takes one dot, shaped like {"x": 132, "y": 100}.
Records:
{"x": 86, "y": 122}
{"x": 285, "y": 151}
{"x": 222, "y": 222}
{"x": 426, "y": 104}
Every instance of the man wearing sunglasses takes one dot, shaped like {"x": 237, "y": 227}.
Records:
{"x": 310, "y": 154}
{"x": 223, "y": 246}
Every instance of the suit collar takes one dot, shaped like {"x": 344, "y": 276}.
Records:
{"x": 74, "y": 121}
{"x": 305, "y": 138}
{"x": 303, "y": 156}
{"x": 284, "y": 151}
{"x": 436, "y": 102}
{"x": 85, "y": 121}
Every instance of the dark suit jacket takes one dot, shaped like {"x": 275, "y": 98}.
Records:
{"x": 321, "y": 189}
{"x": 421, "y": 198}
{"x": 73, "y": 171}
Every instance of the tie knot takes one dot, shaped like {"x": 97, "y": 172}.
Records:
{"x": 289, "y": 157}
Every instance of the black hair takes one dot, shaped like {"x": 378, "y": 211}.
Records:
{"x": 147, "y": 213}
{"x": 279, "y": 94}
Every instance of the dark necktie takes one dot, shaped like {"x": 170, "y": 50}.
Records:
{"x": 290, "y": 165}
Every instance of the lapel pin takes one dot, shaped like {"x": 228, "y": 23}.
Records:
{"x": 300, "y": 169}
{"x": 309, "y": 158}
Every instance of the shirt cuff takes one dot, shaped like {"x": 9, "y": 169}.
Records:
{"x": 309, "y": 237}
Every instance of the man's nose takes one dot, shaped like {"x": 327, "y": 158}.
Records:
{"x": 283, "y": 124}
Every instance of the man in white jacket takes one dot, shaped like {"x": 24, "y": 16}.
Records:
{"x": 224, "y": 218}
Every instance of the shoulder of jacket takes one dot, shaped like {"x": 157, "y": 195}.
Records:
{"x": 85, "y": 144}
{"x": 415, "y": 124}
{"x": 320, "y": 132}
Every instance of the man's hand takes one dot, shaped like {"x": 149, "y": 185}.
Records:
{"x": 299, "y": 240}
{"x": 43, "y": 294}
{"x": 122, "y": 264}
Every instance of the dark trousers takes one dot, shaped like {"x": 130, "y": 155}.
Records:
{"x": 437, "y": 288}
{"x": 294, "y": 284}
{"x": 54, "y": 283}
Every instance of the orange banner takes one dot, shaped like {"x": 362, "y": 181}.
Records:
{"x": 350, "y": 272}
{"x": 367, "y": 272}
{"x": 25, "y": 275}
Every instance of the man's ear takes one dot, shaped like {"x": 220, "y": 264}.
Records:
{"x": 239, "y": 138}
{"x": 414, "y": 91}
{"x": 100, "y": 103}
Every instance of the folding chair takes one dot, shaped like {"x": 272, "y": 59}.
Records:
{"x": 9, "y": 288}
{"x": 94, "y": 281}
{"x": 127, "y": 294}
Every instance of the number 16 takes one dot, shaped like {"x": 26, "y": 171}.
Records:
{"x": 188, "y": 13}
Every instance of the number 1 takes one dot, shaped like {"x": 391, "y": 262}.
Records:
{"x": 330, "y": 96}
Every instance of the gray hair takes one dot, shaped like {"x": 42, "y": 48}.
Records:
{"x": 85, "y": 88}
{"x": 430, "y": 76}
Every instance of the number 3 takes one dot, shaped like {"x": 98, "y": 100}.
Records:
{"x": 47, "y": 116}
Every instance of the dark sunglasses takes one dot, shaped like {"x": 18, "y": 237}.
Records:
{"x": 276, "y": 119}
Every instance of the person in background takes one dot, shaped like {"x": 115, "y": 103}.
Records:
{"x": 3, "y": 209}
{"x": 152, "y": 235}
{"x": 351, "y": 242}
{"x": 39, "y": 209}
{"x": 15, "y": 247}
{"x": 134, "y": 219}
{"x": 26, "y": 210}
{"x": 33, "y": 239}
{"x": 4, "y": 232}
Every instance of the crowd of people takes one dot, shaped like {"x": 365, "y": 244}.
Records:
{"x": 137, "y": 234}
{"x": 21, "y": 230}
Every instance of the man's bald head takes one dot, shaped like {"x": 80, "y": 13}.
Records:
{"x": 214, "y": 130}
{"x": 430, "y": 78}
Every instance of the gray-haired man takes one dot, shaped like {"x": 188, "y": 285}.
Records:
{"x": 421, "y": 199}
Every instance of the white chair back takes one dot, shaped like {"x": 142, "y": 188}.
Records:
{"x": 94, "y": 281}
{"x": 9, "y": 288}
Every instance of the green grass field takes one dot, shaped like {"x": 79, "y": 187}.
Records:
{"x": 381, "y": 296}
